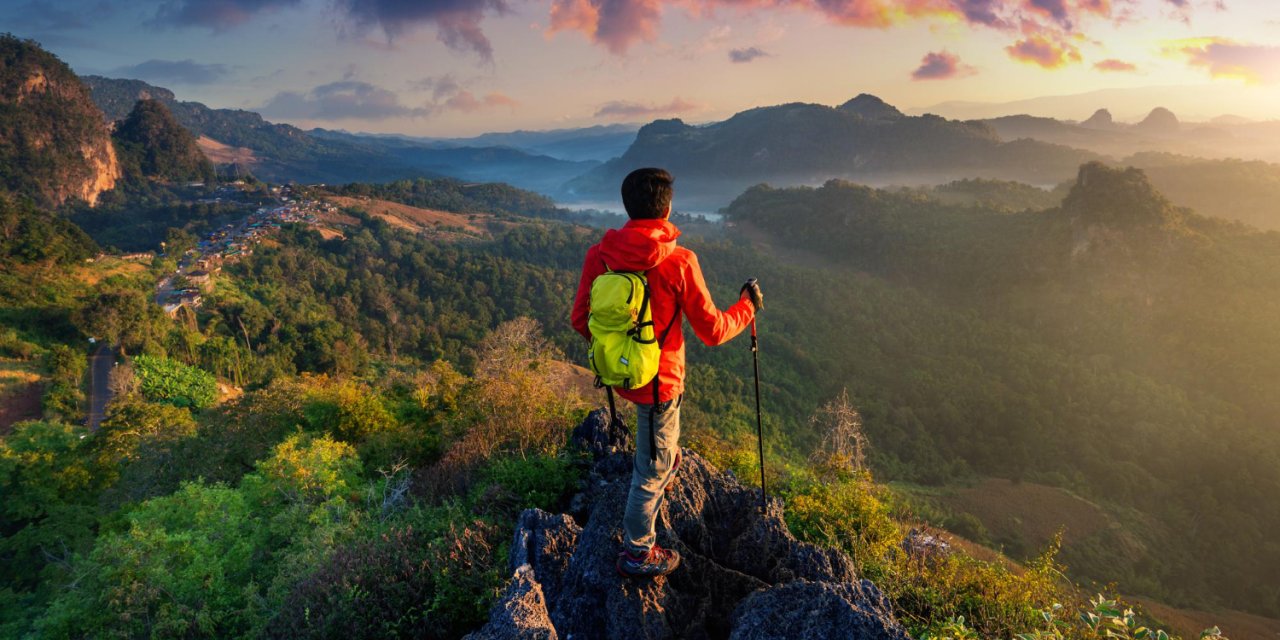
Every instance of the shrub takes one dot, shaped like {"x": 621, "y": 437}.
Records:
{"x": 348, "y": 411}
{"x": 64, "y": 398}
{"x": 544, "y": 482}
{"x": 433, "y": 574}
{"x": 169, "y": 381}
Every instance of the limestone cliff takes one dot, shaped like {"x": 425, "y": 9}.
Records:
{"x": 54, "y": 145}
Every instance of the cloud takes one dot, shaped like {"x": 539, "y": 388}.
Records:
{"x": 746, "y": 55}
{"x": 457, "y": 22}
{"x": 1047, "y": 53}
{"x": 466, "y": 102}
{"x": 1223, "y": 58}
{"x": 620, "y": 24}
{"x": 341, "y": 100}
{"x": 625, "y": 109}
{"x": 43, "y": 16}
{"x": 218, "y": 15}
{"x": 1112, "y": 64}
{"x": 941, "y": 65}
{"x": 173, "y": 71}
{"x": 441, "y": 87}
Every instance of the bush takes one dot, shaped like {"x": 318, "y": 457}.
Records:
{"x": 169, "y": 381}
{"x": 347, "y": 411}
{"x": 433, "y": 574}
{"x": 64, "y": 398}
{"x": 544, "y": 482}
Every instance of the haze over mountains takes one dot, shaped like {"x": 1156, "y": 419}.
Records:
{"x": 864, "y": 139}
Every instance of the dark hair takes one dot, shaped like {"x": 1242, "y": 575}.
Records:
{"x": 646, "y": 193}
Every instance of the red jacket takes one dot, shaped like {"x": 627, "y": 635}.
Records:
{"x": 674, "y": 278}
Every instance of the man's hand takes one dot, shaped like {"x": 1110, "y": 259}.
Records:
{"x": 752, "y": 290}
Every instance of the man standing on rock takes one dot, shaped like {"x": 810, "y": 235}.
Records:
{"x": 647, "y": 244}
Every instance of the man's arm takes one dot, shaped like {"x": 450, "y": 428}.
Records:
{"x": 712, "y": 326}
{"x": 591, "y": 267}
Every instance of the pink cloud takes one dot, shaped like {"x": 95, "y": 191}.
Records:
{"x": 620, "y": 24}
{"x": 1223, "y": 58}
{"x": 467, "y": 102}
{"x": 1112, "y": 64}
{"x": 628, "y": 110}
{"x": 1043, "y": 51}
{"x": 941, "y": 65}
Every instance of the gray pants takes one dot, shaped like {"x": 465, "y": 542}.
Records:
{"x": 650, "y": 474}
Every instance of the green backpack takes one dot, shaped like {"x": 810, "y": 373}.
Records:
{"x": 624, "y": 352}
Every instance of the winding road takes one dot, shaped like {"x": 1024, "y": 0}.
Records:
{"x": 100, "y": 365}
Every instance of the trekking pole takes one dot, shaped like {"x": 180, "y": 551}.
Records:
{"x": 755, "y": 357}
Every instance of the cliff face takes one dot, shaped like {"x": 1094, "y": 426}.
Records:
{"x": 743, "y": 575}
{"x": 54, "y": 145}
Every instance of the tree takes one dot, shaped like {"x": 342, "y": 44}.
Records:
{"x": 844, "y": 446}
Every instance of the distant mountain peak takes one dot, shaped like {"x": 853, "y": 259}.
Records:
{"x": 1160, "y": 120}
{"x": 871, "y": 108}
{"x": 1101, "y": 119}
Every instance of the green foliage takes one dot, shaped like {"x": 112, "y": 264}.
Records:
{"x": 851, "y": 515}
{"x": 64, "y": 399}
{"x": 169, "y": 381}
{"x": 449, "y": 194}
{"x": 39, "y": 468}
{"x": 31, "y": 235}
{"x": 123, "y": 315}
{"x": 543, "y": 482}
{"x": 154, "y": 146}
{"x": 197, "y": 563}
{"x": 350, "y": 413}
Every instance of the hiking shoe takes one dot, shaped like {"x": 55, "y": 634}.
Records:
{"x": 658, "y": 562}
{"x": 675, "y": 477}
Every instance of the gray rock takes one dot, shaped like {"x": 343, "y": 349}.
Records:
{"x": 544, "y": 542}
{"x": 803, "y": 610}
{"x": 520, "y": 614}
{"x": 741, "y": 568}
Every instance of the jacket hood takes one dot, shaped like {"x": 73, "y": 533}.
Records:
{"x": 639, "y": 245}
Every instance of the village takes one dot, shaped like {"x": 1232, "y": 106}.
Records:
{"x": 186, "y": 286}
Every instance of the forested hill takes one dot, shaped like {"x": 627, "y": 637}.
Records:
{"x": 153, "y": 145}
{"x": 54, "y": 146}
{"x": 1179, "y": 308}
{"x": 280, "y": 152}
{"x": 804, "y": 143}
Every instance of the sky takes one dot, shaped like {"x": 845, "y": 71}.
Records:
{"x": 463, "y": 67}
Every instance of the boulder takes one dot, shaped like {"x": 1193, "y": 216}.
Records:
{"x": 817, "y": 611}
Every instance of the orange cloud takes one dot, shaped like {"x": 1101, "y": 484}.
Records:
{"x": 1112, "y": 64}
{"x": 1224, "y": 58}
{"x": 625, "y": 110}
{"x": 619, "y": 24}
{"x": 1047, "y": 53}
{"x": 941, "y": 65}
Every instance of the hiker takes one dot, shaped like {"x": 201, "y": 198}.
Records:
{"x": 647, "y": 244}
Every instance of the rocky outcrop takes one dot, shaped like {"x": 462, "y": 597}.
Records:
{"x": 1160, "y": 121}
{"x": 50, "y": 130}
{"x": 743, "y": 575}
{"x": 1101, "y": 119}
